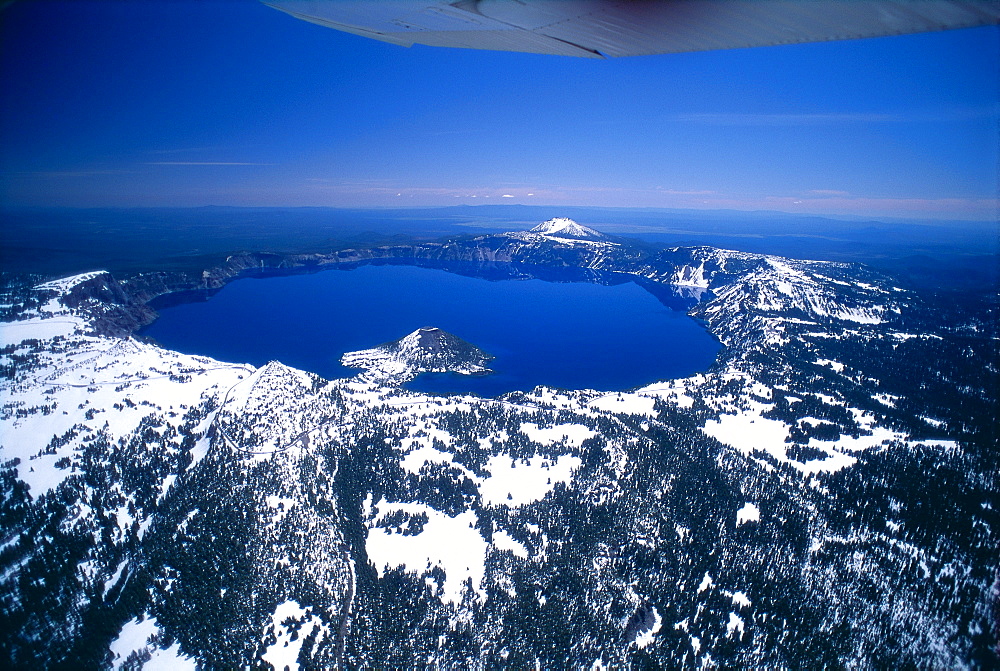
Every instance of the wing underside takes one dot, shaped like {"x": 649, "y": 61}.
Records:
{"x": 610, "y": 28}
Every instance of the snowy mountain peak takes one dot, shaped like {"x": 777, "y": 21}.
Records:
{"x": 561, "y": 227}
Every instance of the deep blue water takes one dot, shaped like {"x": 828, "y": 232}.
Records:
{"x": 573, "y": 335}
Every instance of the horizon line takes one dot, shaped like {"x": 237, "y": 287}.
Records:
{"x": 646, "y": 208}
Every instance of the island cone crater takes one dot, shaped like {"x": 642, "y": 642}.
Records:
{"x": 427, "y": 350}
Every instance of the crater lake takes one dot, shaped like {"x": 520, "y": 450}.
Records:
{"x": 609, "y": 336}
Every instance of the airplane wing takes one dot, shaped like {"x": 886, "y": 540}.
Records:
{"x": 612, "y": 28}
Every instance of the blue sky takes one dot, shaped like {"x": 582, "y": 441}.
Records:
{"x": 234, "y": 103}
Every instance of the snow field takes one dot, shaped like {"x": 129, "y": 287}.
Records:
{"x": 748, "y": 513}
{"x": 503, "y": 541}
{"x": 566, "y": 434}
{"x": 284, "y": 652}
{"x": 511, "y": 482}
{"x": 827, "y": 363}
{"x": 632, "y": 404}
{"x": 519, "y": 482}
{"x": 423, "y": 454}
{"x": 741, "y": 599}
{"x": 13, "y": 333}
{"x": 113, "y": 580}
{"x": 748, "y": 429}
{"x": 453, "y": 543}
{"x": 734, "y": 625}
{"x": 134, "y": 637}
{"x": 281, "y": 506}
{"x": 644, "y": 638}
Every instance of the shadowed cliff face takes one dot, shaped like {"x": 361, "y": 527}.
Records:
{"x": 113, "y": 311}
{"x": 494, "y": 257}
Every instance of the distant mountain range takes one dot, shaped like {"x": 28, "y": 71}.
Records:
{"x": 825, "y": 495}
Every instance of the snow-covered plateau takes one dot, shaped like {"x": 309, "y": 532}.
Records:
{"x": 792, "y": 506}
